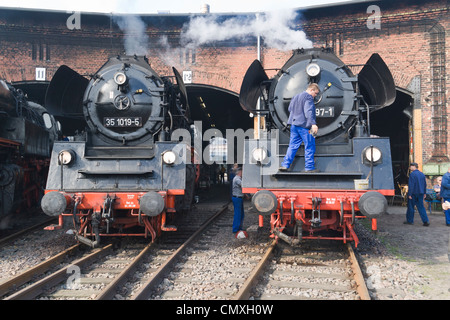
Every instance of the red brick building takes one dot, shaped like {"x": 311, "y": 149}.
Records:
{"x": 411, "y": 36}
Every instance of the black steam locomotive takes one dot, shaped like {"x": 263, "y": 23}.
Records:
{"x": 123, "y": 176}
{"x": 27, "y": 132}
{"x": 355, "y": 170}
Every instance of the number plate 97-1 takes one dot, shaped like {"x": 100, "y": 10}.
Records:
{"x": 122, "y": 122}
{"x": 325, "y": 112}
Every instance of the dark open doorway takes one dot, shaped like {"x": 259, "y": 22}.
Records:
{"x": 394, "y": 122}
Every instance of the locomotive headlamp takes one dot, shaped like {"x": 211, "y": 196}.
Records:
{"x": 66, "y": 157}
{"x": 372, "y": 154}
{"x": 169, "y": 157}
{"x": 120, "y": 78}
{"x": 259, "y": 154}
{"x": 313, "y": 70}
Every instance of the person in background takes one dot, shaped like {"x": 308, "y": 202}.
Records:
{"x": 238, "y": 201}
{"x": 417, "y": 188}
{"x": 437, "y": 187}
{"x": 222, "y": 174}
{"x": 445, "y": 195}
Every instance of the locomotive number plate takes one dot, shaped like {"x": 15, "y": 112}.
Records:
{"x": 325, "y": 112}
{"x": 121, "y": 122}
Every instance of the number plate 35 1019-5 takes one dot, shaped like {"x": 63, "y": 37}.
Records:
{"x": 122, "y": 122}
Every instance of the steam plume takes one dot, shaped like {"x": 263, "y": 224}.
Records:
{"x": 274, "y": 27}
{"x": 136, "y": 40}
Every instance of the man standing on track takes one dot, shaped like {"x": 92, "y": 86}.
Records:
{"x": 238, "y": 201}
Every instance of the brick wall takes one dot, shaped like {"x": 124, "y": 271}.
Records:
{"x": 413, "y": 41}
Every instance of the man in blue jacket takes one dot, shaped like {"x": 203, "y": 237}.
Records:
{"x": 445, "y": 194}
{"x": 417, "y": 188}
{"x": 302, "y": 119}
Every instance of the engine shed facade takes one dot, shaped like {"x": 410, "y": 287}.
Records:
{"x": 412, "y": 37}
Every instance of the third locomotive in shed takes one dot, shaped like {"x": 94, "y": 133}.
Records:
{"x": 354, "y": 168}
{"x": 27, "y": 132}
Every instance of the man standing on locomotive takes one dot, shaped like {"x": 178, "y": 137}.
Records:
{"x": 302, "y": 119}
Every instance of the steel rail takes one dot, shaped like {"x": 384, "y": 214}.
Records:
{"x": 361, "y": 286}
{"x": 245, "y": 291}
{"x": 13, "y": 236}
{"x": 27, "y": 275}
{"x": 39, "y": 287}
{"x": 110, "y": 290}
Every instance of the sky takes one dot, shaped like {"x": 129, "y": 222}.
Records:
{"x": 174, "y": 6}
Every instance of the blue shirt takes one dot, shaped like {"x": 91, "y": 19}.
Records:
{"x": 445, "y": 186}
{"x": 302, "y": 110}
{"x": 417, "y": 183}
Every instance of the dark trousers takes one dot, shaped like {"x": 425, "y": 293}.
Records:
{"x": 238, "y": 218}
{"x": 416, "y": 201}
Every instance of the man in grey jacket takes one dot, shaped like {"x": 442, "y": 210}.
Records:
{"x": 238, "y": 201}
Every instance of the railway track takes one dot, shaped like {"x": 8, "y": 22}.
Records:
{"x": 201, "y": 261}
{"x": 302, "y": 273}
{"x": 98, "y": 274}
{"x": 5, "y": 240}
{"x": 214, "y": 267}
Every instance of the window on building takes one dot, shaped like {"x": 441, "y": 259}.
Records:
{"x": 41, "y": 52}
{"x": 47, "y": 52}
{"x": 42, "y": 49}
{"x": 34, "y": 51}
{"x": 188, "y": 56}
{"x": 335, "y": 41}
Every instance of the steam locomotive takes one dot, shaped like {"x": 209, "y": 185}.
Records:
{"x": 27, "y": 132}
{"x": 122, "y": 176}
{"x": 355, "y": 169}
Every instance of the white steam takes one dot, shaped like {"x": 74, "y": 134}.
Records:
{"x": 273, "y": 27}
{"x": 277, "y": 29}
{"x": 136, "y": 40}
